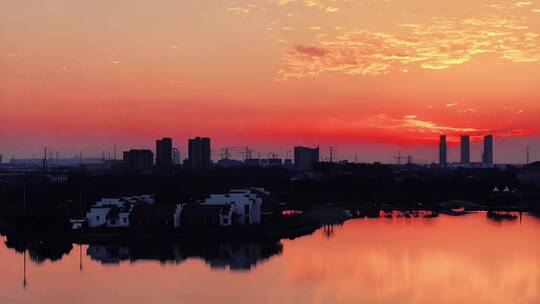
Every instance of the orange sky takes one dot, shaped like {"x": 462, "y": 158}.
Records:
{"x": 368, "y": 77}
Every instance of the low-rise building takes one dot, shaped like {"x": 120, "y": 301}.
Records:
{"x": 206, "y": 215}
{"x": 153, "y": 216}
{"x": 247, "y": 204}
{"x": 115, "y": 212}
{"x": 119, "y": 216}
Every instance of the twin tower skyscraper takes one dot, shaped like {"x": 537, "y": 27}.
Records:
{"x": 198, "y": 153}
{"x": 487, "y": 155}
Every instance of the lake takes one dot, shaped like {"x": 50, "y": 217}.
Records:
{"x": 446, "y": 259}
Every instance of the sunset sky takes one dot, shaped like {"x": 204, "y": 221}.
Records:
{"x": 369, "y": 77}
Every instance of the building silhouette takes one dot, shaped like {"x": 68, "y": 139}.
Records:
{"x": 465, "y": 149}
{"x": 199, "y": 153}
{"x": 176, "y": 159}
{"x": 487, "y": 156}
{"x": 164, "y": 153}
{"x": 304, "y": 157}
{"x": 443, "y": 160}
{"x": 138, "y": 160}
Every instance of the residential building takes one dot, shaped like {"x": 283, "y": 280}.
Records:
{"x": 206, "y": 215}
{"x": 443, "y": 160}
{"x": 487, "y": 156}
{"x": 199, "y": 153}
{"x": 176, "y": 159}
{"x": 138, "y": 160}
{"x": 465, "y": 149}
{"x": 164, "y": 153}
{"x": 153, "y": 216}
{"x": 115, "y": 212}
{"x": 247, "y": 204}
{"x": 119, "y": 216}
{"x": 304, "y": 157}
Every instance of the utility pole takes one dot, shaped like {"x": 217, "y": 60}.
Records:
{"x": 25, "y": 282}
{"x": 355, "y": 158}
{"x": 528, "y": 153}
{"x": 80, "y": 258}
{"x": 44, "y": 157}
{"x": 114, "y": 151}
{"x": 331, "y": 154}
{"x": 399, "y": 157}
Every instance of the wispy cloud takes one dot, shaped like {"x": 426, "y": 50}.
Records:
{"x": 242, "y": 9}
{"x": 437, "y": 45}
{"x": 327, "y": 6}
{"x": 423, "y": 129}
{"x": 413, "y": 123}
{"x": 9, "y": 54}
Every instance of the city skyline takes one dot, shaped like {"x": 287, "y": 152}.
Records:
{"x": 166, "y": 153}
{"x": 273, "y": 74}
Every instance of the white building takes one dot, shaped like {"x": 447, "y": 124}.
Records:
{"x": 114, "y": 212}
{"x": 97, "y": 216}
{"x": 247, "y": 204}
{"x": 119, "y": 216}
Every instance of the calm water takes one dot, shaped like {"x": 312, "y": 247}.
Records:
{"x": 466, "y": 259}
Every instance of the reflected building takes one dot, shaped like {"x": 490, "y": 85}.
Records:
{"x": 235, "y": 255}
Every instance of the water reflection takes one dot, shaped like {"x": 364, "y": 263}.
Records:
{"x": 478, "y": 258}
{"x": 40, "y": 250}
{"x": 217, "y": 254}
{"x": 236, "y": 256}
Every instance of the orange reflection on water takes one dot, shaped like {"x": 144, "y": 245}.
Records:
{"x": 466, "y": 259}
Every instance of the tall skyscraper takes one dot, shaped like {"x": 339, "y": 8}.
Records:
{"x": 164, "y": 153}
{"x": 442, "y": 151}
{"x": 488, "y": 150}
{"x": 465, "y": 149}
{"x": 304, "y": 158}
{"x": 199, "y": 153}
